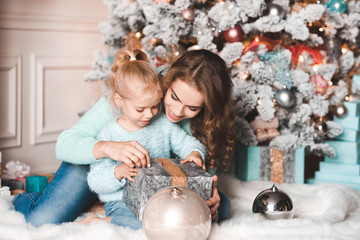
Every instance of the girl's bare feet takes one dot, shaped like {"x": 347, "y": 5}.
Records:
{"x": 97, "y": 207}
{"x": 16, "y": 191}
{"x": 93, "y": 218}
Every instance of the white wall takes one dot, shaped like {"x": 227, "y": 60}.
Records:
{"x": 46, "y": 48}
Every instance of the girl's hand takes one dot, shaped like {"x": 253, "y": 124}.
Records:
{"x": 195, "y": 157}
{"x": 130, "y": 152}
{"x": 214, "y": 201}
{"x": 125, "y": 171}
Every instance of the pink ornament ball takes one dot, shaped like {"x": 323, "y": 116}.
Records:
{"x": 188, "y": 14}
{"x": 176, "y": 213}
{"x": 235, "y": 34}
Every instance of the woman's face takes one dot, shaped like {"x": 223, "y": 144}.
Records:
{"x": 182, "y": 101}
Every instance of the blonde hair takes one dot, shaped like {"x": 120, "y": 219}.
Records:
{"x": 130, "y": 70}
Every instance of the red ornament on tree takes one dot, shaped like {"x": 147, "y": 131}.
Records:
{"x": 321, "y": 84}
{"x": 235, "y": 34}
{"x": 158, "y": 61}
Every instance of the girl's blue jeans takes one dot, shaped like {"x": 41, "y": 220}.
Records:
{"x": 121, "y": 215}
{"x": 67, "y": 195}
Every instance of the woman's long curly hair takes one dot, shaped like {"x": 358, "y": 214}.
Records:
{"x": 213, "y": 126}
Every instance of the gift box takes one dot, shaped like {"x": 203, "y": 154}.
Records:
{"x": 352, "y": 108}
{"x": 23, "y": 180}
{"x": 36, "y": 183}
{"x": 356, "y": 80}
{"x": 342, "y": 168}
{"x": 350, "y": 122}
{"x": 346, "y": 152}
{"x": 349, "y": 135}
{"x": 165, "y": 172}
{"x": 337, "y": 177}
{"x": 14, "y": 184}
{"x": 49, "y": 176}
{"x": 269, "y": 164}
{"x": 318, "y": 181}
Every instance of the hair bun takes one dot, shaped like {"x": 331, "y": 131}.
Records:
{"x": 124, "y": 56}
{"x": 132, "y": 58}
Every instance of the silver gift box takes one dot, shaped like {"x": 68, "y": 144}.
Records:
{"x": 149, "y": 180}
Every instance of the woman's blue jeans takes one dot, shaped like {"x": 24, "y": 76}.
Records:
{"x": 67, "y": 195}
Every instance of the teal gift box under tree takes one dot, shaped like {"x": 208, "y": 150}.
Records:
{"x": 351, "y": 132}
{"x": 36, "y": 183}
{"x": 356, "y": 80}
{"x": 346, "y": 152}
{"x": 255, "y": 163}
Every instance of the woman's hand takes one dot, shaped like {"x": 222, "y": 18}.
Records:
{"x": 130, "y": 152}
{"x": 214, "y": 201}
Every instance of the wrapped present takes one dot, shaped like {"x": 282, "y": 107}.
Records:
{"x": 341, "y": 168}
{"x": 36, "y": 183}
{"x": 49, "y": 176}
{"x": 356, "y": 80}
{"x": 349, "y": 135}
{"x": 269, "y": 164}
{"x": 23, "y": 180}
{"x": 165, "y": 172}
{"x": 346, "y": 152}
{"x": 318, "y": 181}
{"x": 14, "y": 184}
{"x": 352, "y": 107}
{"x": 337, "y": 177}
{"x": 350, "y": 122}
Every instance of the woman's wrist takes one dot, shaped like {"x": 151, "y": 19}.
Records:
{"x": 99, "y": 150}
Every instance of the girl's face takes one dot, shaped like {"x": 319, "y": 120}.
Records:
{"x": 138, "y": 110}
{"x": 182, "y": 101}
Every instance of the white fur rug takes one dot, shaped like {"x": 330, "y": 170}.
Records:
{"x": 321, "y": 212}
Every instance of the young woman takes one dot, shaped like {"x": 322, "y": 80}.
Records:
{"x": 198, "y": 96}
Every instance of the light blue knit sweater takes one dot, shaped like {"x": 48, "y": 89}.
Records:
{"x": 76, "y": 144}
{"x": 160, "y": 138}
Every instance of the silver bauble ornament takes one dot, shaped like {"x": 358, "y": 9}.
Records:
{"x": 275, "y": 10}
{"x": 285, "y": 98}
{"x": 340, "y": 111}
{"x": 176, "y": 213}
{"x": 320, "y": 128}
{"x": 273, "y": 204}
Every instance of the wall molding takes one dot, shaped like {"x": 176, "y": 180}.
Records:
{"x": 40, "y": 133}
{"x": 11, "y": 88}
{"x": 48, "y": 23}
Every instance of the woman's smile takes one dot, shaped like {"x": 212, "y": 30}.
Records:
{"x": 174, "y": 116}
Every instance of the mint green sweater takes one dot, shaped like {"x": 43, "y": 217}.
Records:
{"x": 75, "y": 145}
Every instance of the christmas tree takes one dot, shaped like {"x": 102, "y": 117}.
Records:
{"x": 291, "y": 62}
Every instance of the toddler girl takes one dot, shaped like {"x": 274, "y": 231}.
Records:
{"x": 136, "y": 94}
